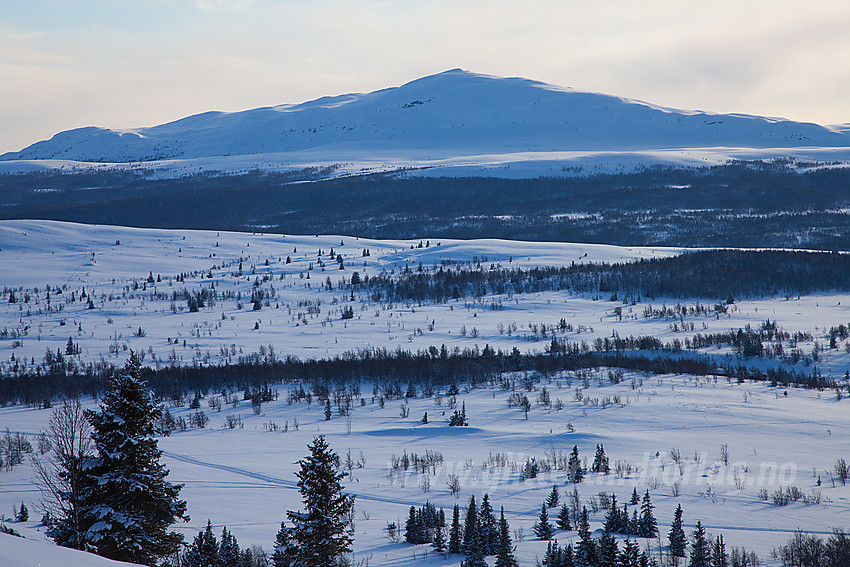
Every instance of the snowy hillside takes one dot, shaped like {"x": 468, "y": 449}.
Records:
{"x": 31, "y": 552}
{"x": 721, "y": 448}
{"x": 451, "y": 115}
{"x": 55, "y": 267}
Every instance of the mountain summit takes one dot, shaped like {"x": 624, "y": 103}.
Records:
{"x": 451, "y": 113}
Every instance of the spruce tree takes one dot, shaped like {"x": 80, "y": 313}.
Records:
{"x": 575, "y": 472}
{"x": 554, "y": 497}
{"x": 600, "y": 461}
{"x": 504, "y": 547}
{"x": 23, "y": 514}
{"x": 647, "y": 525}
{"x": 563, "y": 521}
{"x": 474, "y": 559}
{"x": 247, "y": 559}
{"x": 613, "y": 522}
{"x": 439, "y": 542}
{"x": 414, "y": 530}
{"x": 719, "y": 557}
{"x": 543, "y": 529}
{"x": 458, "y": 418}
{"x": 585, "y": 550}
{"x": 634, "y": 500}
{"x": 322, "y": 533}
{"x": 284, "y": 550}
{"x": 473, "y": 549}
{"x": 455, "y": 533}
{"x": 128, "y": 504}
{"x": 567, "y": 557}
{"x": 487, "y": 526}
{"x": 552, "y": 557}
{"x": 204, "y": 551}
{"x": 608, "y": 553}
{"x": 630, "y": 555}
{"x": 678, "y": 540}
{"x": 470, "y": 529}
{"x": 700, "y": 548}
{"x": 228, "y": 549}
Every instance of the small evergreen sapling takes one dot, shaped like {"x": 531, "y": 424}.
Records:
{"x": 563, "y": 521}
{"x": 647, "y": 525}
{"x": 414, "y": 531}
{"x": 608, "y": 551}
{"x": 439, "y": 543}
{"x": 575, "y": 472}
{"x": 470, "y": 529}
{"x": 228, "y": 549}
{"x": 600, "y": 461}
{"x": 677, "y": 538}
{"x": 487, "y": 526}
{"x": 700, "y": 548}
{"x": 504, "y": 547}
{"x": 455, "y": 533}
{"x": 719, "y": 557}
{"x": 614, "y": 519}
{"x": 543, "y": 529}
{"x": 630, "y": 556}
{"x": 23, "y": 514}
{"x": 458, "y": 418}
{"x": 585, "y": 549}
{"x": 472, "y": 544}
{"x": 554, "y": 497}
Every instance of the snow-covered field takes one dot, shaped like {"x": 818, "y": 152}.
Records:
{"x": 112, "y": 265}
{"x": 303, "y": 316}
{"x": 243, "y": 477}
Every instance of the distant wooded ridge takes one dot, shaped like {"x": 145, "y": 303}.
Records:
{"x": 745, "y": 204}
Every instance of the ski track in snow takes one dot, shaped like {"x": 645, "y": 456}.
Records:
{"x": 281, "y": 482}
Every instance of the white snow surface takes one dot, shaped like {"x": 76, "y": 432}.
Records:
{"x": 35, "y": 552}
{"x": 455, "y": 122}
{"x": 244, "y": 477}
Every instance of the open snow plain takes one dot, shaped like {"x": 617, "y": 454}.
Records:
{"x": 662, "y": 433}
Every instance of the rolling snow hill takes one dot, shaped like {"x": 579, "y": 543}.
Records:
{"x": 444, "y": 116}
{"x": 665, "y": 433}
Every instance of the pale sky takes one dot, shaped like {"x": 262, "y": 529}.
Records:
{"x": 130, "y": 63}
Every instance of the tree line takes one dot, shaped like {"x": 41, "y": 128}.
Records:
{"x": 724, "y": 275}
{"x": 391, "y": 370}
{"x": 753, "y": 204}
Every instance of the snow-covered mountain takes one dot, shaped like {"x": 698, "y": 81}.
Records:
{"x": 454, "y": 113}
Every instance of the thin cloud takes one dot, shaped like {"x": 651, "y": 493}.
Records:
{"x": 222, "y": 5}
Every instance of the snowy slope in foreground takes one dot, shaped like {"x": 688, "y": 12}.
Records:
{"x": 244, "y": 477}
{"x": 19, "y": 552}
{"x": 451, "y": 114}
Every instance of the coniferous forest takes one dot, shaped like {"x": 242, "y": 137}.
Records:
{"x": 778, "y": 204}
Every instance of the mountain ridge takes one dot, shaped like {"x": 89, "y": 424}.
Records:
{"x": 453, "y": 112}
